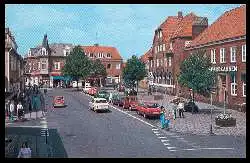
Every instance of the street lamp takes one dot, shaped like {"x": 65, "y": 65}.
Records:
{"x": 213, "y": 91}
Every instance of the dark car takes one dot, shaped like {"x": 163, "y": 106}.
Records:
{"x": 119, "y": 100}
{"x": 188, "y": 107}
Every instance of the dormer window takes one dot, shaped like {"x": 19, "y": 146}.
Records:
{"x": 160, "y": 34}
{"x": 66, "y": 52}
{"x": 171, "y": 46}
{"x": 44, "y": 52}
{"x": 91, "y": 55}
{"x": 108, "y": 55}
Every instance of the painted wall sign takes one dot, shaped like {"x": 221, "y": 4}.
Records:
{"x": 224, "y": 68}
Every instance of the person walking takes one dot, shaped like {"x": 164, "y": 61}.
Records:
{"x": 162, "y": 117}
{"x": 25, "y": 151}
{"x": 181, "y": 109}
{"x": 12, "y": 108}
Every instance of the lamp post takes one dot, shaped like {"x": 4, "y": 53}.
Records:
{"x": 211, "y": 111}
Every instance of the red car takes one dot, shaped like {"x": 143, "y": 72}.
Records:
{"x": 148, "y": 109}
{"x": 92, "y": 91}
{"x": 58, "y": 101}
{"x": 130, "y": 102}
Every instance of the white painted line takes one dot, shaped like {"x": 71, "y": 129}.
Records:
{"x": 166, "y": 143}
{"x": 193, "y": 149}
{"x": 171, "y": 147}
{"x": 173, "y": 150}
{"x": 180, "y": 138}
{"x": 175, "y": 136}
{"x": 155, "y": 129}
{"x": 216, "y": 148}
{"x": 164, "y": 140}
{"x": 162, "y": 137}
{"x": 132, "y": 116}
{"x": 156, "y": 132}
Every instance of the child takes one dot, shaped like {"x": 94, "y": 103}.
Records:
{"x": 162, "y": 117}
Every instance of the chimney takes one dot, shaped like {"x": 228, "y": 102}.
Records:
{"x": 179, "y": 14}
{"x": 96, "y": 44}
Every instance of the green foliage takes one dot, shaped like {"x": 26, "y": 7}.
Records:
{"x": 98, "y": 69}
{"x": 77, "y": 64}
{"x": 134, "y": 71}
{"x": 195, "y": 73}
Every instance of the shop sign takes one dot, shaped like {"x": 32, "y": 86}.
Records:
{"x": 224, "y": 68}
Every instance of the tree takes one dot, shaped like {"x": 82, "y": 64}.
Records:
{"x": 98, "y": 69}
{"x": 77, "y": 64}
{"x": 195, "y": 73}
{"x": 134, "y": 72}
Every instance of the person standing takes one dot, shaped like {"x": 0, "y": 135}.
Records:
{"x": 25, "y": 151}
{"x": 181, "y": 109}
{"x": 12, "y": 108}
{"x": 19, "y": 110}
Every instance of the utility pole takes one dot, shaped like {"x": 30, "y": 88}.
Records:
{"x": 211, "y": 103}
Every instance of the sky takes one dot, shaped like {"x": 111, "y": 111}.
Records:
{"x": 129, "y": 28}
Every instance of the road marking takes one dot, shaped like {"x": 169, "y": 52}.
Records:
{"x": 156, "y": 132}
{"x": 180, "y": 138}
{"x": 164, "y": 140}
{"x": 132, "y": 116}
{"x": 166, "y": 143}
{"x": 173, "y": 150}
{"x": 171, "y": 147}
{"x": 162, "y": 137}
{"x": 176, "y": 136}
{"x": 155, "y": 129}
{"x": 193, "y": 149}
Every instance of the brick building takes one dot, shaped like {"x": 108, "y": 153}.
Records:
{"x": 225, "y": 43}
{"x": 110, "y": 58}
{"x": 13, "y": 64}
{"x": 44, "y": 63}
{"x": 169, "y": 41}
{"x": 144, "y": 58}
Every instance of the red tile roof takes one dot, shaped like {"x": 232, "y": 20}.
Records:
{"x": 103, "y": 49}
{"x": 144, "y": 57}
{"x": 184, "y": 28}
{"x": 231, "y": 24}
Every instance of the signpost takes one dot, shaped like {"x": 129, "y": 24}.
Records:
{"x": 213, "y": 91}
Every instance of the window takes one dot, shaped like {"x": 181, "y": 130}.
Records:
{"x": 213, "y": 56}
{"x": 118, "y": 66}
{"x": 109, "y": 66}
{"x": 57, "y": 65}
{"x": 171, "y": 46}
{"x": 163, "y": 47}
{"x": 154, "y": 63}
{"x": 151, "y": 63}
{"x": 244, "y": 89}
{"x": 160, "y": 34}
{"x": 158, "y": 48}
{"x": 91, "y": 55}
{"x": 169, "y": 62}
{"x": 166, "y": 63}
{"x": 43, "y": 51}
{"x": 157, "y": 62}
{"x": 222, "y": 55}
{"x": 243, "y": 53}
{"x": 155, "y": 49}
{"x": 44, "y": 65}
{"x": 29, "y": 54}
{"x": 39, "y": 66}
{"x": 234, "y": 86}
{"x": 233, "y": 54}
{"x": 108, "y": 55}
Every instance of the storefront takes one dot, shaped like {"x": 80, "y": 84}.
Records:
{"x": 60, "y": 81}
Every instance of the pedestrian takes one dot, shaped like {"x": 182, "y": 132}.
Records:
{"x": 20, "y": 110}
{"x": 25, "y": 151}
{"x": 168, "y": 117}
{"x": 162, "y": 117}
{"x": 12, "y": 108}
{"x": 181, "y": 109}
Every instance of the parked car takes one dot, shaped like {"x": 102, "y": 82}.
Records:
{"x": 119, "y": 100}
{"x": 130, "y": 102}
{"x": 148, "y": 109}
{"x": 92, "y": 91}
{"x": 97, "y": 104}
{"x": 189, "y": 105}
{"x": 58, "y": 101}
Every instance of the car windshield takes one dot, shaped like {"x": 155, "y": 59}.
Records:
{"x": 101, "y": 101}
{"x": 154, "y": 105}
{"x": 59, "y": 98}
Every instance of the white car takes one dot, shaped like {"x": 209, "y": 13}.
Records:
{"x": 97, "y": 104}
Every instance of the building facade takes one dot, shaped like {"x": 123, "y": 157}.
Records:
{"x": 225, "y": 44}
{"x": 145, "y": 59}
{"x": 169, "y": 41}
{"x": 44, "y": 63}
{"x": 110, "y": 58}
{"x": 13, "y": 64}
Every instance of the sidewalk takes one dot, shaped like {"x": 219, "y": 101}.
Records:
{"x": 200, "y": 123}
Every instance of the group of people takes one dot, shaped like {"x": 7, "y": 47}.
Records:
{"x": 168, "y": 115}
{"x": 12, "y": 110}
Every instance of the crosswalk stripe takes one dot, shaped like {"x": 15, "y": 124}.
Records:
{"x": 162, "y": 137}
{"x": 171, "y": 147}
{"x": 166, "y": 143}
{"x": 164, "y": 140}
{"x": 155, "y": 129}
